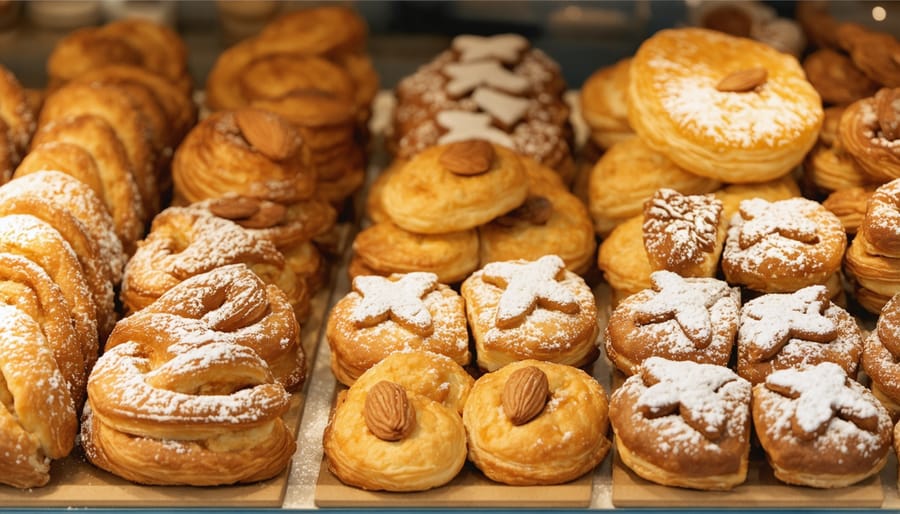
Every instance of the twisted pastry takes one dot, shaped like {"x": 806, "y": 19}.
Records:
{"x": 17, "y": 123}
{"x": 870, "y": 132}
{"x": 191, "y": 390}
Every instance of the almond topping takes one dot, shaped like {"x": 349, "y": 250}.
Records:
{"x": 742, "y": 81}
{"x": 525, "y": 395}
{"x": 470, "y": 157}
{"x": 268, "y": 215}
{"x": 887, "y": 109}
{"x": 268, "y": 133}
{"x": 388, "y": 413}
{"x": 234, "y": 207}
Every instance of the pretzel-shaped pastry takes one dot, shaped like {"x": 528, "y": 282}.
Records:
{"x": 191, "y": 390}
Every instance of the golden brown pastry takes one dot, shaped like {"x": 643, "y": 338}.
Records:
{"x": 733, "y": 194}
{"x": 790, "y": 330}
{"x": 531, "y": 310}
{"x": 403, "y": 312}
{"x": 212, "y": 361}
{"x": 604, "y": 106}
{"x": 744, "y": 113}
{"x": 374, "y": 207}
{"x": 849, "y": 205}
{"x": 873, "y": 52}
{"x": 683, "y": 424}
{"x": 870, "y": 131}
{"x": 678, "y": 318}
{"x": 879, "y": 357}
{"x": 399, "y": 427}
{"x": 623, "y": 260}
{"x": 17, "y": 123}
{"x": 820, "y": 428}
{"x": 873, "y": 259}
{"x": 836, "y": 78}
{"x": 536, "y": 423}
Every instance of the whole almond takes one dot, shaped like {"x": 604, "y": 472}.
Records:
{"x": 525, "y": 394}
{"x": 742, "y": 81}
{"x": 388, "y": 413}
{"x": 470, "y": 157}
{"x": 268, "y": 215}
{"x": 234, "y": 207}
{"x": 268, "y": 133}
{"x": 887, "y": 109}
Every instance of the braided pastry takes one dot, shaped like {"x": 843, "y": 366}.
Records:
{"x": 191, "y": 390}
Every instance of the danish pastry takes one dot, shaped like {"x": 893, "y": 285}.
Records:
{"x": 536, "y": 423}
{"x": 879, "y": 357}
{"x": 604, "y": 106}
{"x": 872, "y": 259}
{"x": 869, "y": 132}
{"x": 849, "y": 205}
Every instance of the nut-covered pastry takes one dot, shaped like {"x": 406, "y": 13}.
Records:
{"x": 405, "y": 312}
{"x": 870, "y": 132}
{"x": 820, "y": 428}
{"x": 604, "y": 106}
{"x": 536, "y": 423}
{"x": 531, "y": 310}
{"x": 684, "y": 424}
{"x": 678, "y": 319}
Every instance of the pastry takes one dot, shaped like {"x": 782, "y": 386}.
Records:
{"x": 733, "y": 194}
{"x": 678, "y": 318}
{"x": 744, "y": 114}
{"x": 820, "y": 428}
{"x": 623, "y": 260}
{"x": 790, "y": 330}
{"x": 869, "y": 131}
{"x": 403, "y": 312}
{"x": 536, "y": 423}
{"x": 879, "y": 230}
{"x": 836, "y": 78}
{"x": 530, "y": 310}
{"x": 17, "y": 123}
{"x": 603, "y": 104}
{"x": 399, "y": 427}
{"x": 879, "y": 357}
{"x": 873, "y": 259}
{"x": 872, "y": 52}
{"x": 849, "y": 205}
{"x": 212, "y": 360}
{"x": 683, "y": 424}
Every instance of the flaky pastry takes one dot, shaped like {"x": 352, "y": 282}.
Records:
{"x": 604, "y": 106}
{"x": 870, "y": 131}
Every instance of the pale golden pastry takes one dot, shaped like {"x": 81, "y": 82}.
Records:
{"x": 790, "y": 330}
{"x": 849, "y": 205}
{"x": 537, "y": 423}
{"x": 17, "y": 123}
{"x": 870, "y": 132}
{"x": 604, "y": 106}
{"x": 403, "y": 312}
{"x": 782, "y": 246}
{"x": 836, "y": 78}
{"x": 531, "y": 310}
{"x": 832, "y": 169}
{"x": 881, "y": 228}
{"x": 684, "y": 424}
{"x": 873, "y": 52}
{"x": 733, "y": 194}
{"x": 64, "y": 157}
{"x": 879, "y": 357}
{"x": 629, "y": 173}
{"x": 399, "y": 427}
{"x": 623, "y": 260}
{"x": 374, "y": 207}
{"x": 213, "y": 360}
{"x": 455, "y": 187}
{"x": 678, "y": 318}
{"x": 386, "y": 248}
{"x": 744, "y": 113}
{"x": 820, "y": 428}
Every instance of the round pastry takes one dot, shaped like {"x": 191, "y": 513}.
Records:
{"x": 374, "y": 207}
{"x": 879, "y": 358}
{"x": 455, "y": 187}
{"x": 683, "y": 424}
{"x": 627, "y": 175}
{"x": 679, "y": 319}
{"x": 783, "y": 246}
{"x": 398, "y": 428}
{"x": 743, "y": 114}
{"x": 733, "y": 194}
{"x": 820, "y": 428}
{"x": 870, "y": 132}
{"x": 872, "y": 52}
{"x": 849, "y": 205}
{"x": 17, "y": 123}
{"x": 624, "y": 261}
{"x": 875, "y": 278}
{"x": 536, "y": 423}
{"x": 831, "y": 169}
{"x": 382, "y": 315}
{"x": 790, "y": 330}
{"x": 836, "y": 78}
{"x": 603, "y": 104}
{"x": 531, "y": 310}
{"x": 880, "y": 233}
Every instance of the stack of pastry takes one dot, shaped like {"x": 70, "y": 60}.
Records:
{"x": 455, "y": 207}
{"x": 750, "y": 19}
{"x": 495, "y": 88}
{"x": 311, "y": 67}
{"x": 604, "y": 106}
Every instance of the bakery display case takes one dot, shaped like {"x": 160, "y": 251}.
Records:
{"x": 466, "y": 255}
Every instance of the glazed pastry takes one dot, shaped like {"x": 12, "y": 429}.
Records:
{"x": 744, "y": 114}
{"x": 399, "y": 427}
{"x": 879, "y": 358}
{"x": 820, "y": 428}
{"x": 627, "y": 175}
{"x": 869, "y": 131}
{"x": 836, "y": 78}
{"x": 213, "y": 359}
{"x": 790, "y": 330}
{"x": 536, "y": 423}
{"x": 17, "y": 123}
{"x": 684, "y": 424}
{"x": 849, "y": 205}
{"x": 531, "y": 310}
{"x": 403, "y": 312}
{"x": 603, "y": 104}
{"x": 783, "y": 246}
{"x": 872, "y": 52}
{"x": 678, "y": 319}
{"x": 486, "y": 181}
{"x": 872, "y": 259}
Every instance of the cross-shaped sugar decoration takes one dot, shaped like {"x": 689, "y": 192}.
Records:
{"x": 464, "y": 77}
{"x": 786, "y": 218}
{"x": 822, "y": 392}
{"x": 685, "y": 302}
{"x": 504, "y": 108}
{"x": 400, "y": 300}
{"x": 528, "y": 285}
{"x": 463, "y": 125}
{"x": 505, "y": 47}
{"x": 688, "y": 388}
{"x": 770, "y": 321}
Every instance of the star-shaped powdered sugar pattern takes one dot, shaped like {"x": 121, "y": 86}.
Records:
{"x": 399, "y": 300}
{"x": 504, "y": 47}
{"x": 688, "y": 303}
{"x": 786, "y": 218}
{"x": 822, "y": 392}
{"x": 528, "y": 285}
{"x": 770, "y": 321}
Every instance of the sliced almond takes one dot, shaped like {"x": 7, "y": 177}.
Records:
{"x": 234, "y": 207}
{"x": 268, "y": 133}
{"x": 388, "y": 413}
{"x": 742, "y": 81}
{"x": 470, "y": 157}
{"x": 525, "y": 394}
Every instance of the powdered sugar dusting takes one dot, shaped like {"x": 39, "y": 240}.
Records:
{"x": 382, "y": 298}
{"x": 770, "y": 321}
{"x": 680, "y": 230}
{"x": 526, "y": 285}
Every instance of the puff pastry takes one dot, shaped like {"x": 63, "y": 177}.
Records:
{"x": 604, "y": 106}
{"x": 868, "y": 132}
{"x": 17, "y": 123}
{"x": 623, "y": 260}
{"x": 836, "y": 78}
{"x": 879, "y": 357}
{"x": 872, "y": 259}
